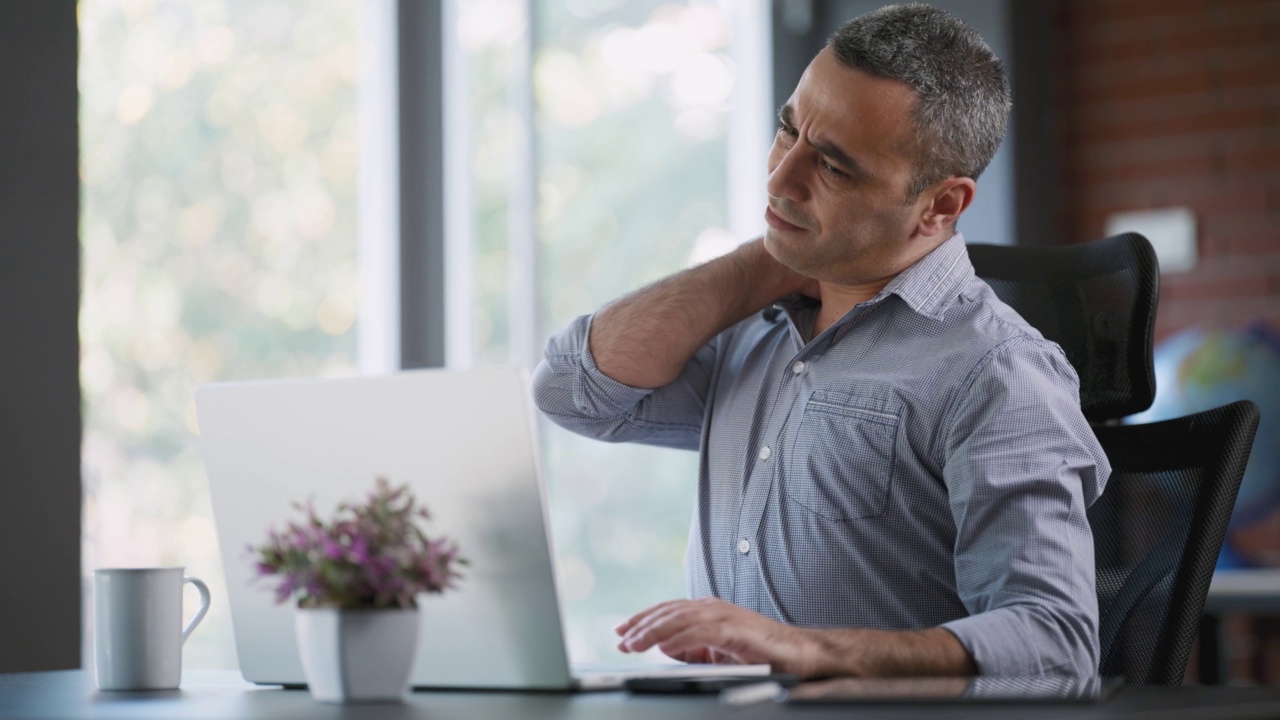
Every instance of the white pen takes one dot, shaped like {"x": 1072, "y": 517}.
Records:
{"x": 745, "y": 695}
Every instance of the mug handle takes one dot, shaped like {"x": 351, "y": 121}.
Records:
{"x": 204, "y": 605}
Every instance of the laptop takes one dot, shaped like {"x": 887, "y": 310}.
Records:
{"x": 465, "y": 442}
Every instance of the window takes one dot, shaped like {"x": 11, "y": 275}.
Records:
{"x": 597, "y": 152}
{"x": 219, "y": 148}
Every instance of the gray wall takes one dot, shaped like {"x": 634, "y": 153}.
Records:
{"x": 39, "y": 347}
{"x": 991, "y": 218}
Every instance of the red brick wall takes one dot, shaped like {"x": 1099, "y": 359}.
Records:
{"x": 1177, "y": 103}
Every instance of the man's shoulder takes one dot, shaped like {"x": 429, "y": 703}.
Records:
{"x": 991, "y": 322}
{"x": 981, "y": 333}
{"x": 992, "y": 329}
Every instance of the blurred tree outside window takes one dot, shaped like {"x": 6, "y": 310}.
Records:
{"x": 218, "y": 231}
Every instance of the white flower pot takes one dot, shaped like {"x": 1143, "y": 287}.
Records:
{"x": 354, "y": 656}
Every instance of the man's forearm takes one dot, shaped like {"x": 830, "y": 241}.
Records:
{"x": 645, "y": 339}
{"x": 887, "y": 653}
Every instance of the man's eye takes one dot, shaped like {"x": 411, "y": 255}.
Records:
{"x": 784, "y": 129}
{"x": 833, "y": 171}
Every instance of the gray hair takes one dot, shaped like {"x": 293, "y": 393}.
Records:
{"x": 962, "y": 95}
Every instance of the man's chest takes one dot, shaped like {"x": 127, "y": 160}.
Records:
{"x": 832, "y": 424}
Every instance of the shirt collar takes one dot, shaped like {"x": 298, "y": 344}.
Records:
{"x": 930, "y": 285}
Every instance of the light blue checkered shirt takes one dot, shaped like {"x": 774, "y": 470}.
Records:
{"x": 923, "y": 462}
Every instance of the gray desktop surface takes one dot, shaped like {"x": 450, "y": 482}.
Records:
{"x": 70, "y": 694}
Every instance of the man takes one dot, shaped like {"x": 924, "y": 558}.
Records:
{"x": 894, "y": 466}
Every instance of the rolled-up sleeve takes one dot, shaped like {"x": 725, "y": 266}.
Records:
{"x": 1022, "y": 466}
{"x": 575, "y": 394}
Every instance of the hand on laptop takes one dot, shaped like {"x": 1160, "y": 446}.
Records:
{"x": 709, "y": 630}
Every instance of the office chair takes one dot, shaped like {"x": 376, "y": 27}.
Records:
{"x": 1157, "y": 530}
{"x": 1159, "y": 525}
{"x": 1098, "y": 301}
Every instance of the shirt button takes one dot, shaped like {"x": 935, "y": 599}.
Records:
{"x": 765, "y": 452}
{"x": 744, "y": 546}
{"x": 798, "y": 367}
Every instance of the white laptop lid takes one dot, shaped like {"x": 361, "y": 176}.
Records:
{"x": 463, "y": 441}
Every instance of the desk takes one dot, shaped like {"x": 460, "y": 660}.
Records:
{"x": 1256, "y": 592}
{"x": 70, "y": 694}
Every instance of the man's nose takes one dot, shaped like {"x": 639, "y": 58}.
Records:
{"x": 787, "y": 179}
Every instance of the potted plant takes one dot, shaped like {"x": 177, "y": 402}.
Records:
{"x": 356, "y": 578}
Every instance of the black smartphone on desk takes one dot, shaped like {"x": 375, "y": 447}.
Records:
{"x": 699, "y": 686}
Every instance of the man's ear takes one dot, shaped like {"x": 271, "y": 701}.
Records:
{"x": 945, "y": 200}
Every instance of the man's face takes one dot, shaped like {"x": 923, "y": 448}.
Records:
{"x": 839, "y": 170}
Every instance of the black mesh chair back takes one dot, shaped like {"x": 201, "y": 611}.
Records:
{"x": 1157, "y": 530}
{"x": 1098, "y": 301}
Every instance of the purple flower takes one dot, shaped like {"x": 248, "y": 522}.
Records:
{"x": 332, "y": 550}
{"x": 370, "y": 555}
{"x": 360, "y": 549}
{"x": 285, "y": 589}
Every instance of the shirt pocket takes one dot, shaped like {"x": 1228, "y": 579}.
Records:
{"x": 844, "y": 457}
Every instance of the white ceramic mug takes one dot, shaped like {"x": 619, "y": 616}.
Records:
{"x": 137, "y": 626}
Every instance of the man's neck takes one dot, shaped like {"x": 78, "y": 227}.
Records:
{"x": 838, "y": 300}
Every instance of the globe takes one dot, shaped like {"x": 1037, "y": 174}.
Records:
{"x": 1202, "y": 368}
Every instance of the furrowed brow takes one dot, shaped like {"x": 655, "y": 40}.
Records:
{"x": 786, "y": 116}
{"x": 831, "y": 152}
